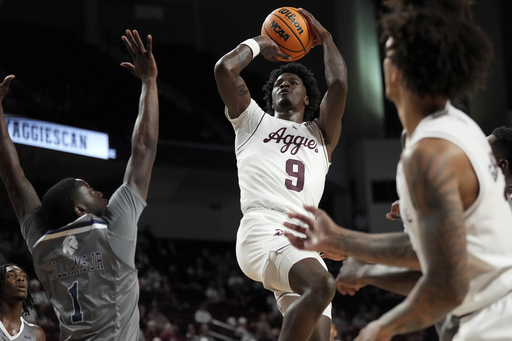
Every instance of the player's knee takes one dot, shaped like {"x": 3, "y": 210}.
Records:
{"x": 323, "y": 288}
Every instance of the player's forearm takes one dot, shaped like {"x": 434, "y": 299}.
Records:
{"x": 394, "y": 279}
{"x": 145, "y": 134}
{"x": 428, "y": 302}
{"x": 392, "y": 249}
{"x": 232, "y": 64}
{"x": 335, "y": 67}
{"x": 9, "y": 162}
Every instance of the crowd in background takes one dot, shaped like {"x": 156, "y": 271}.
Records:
{"x": 195, "y": 291}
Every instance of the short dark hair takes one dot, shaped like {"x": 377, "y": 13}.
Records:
{"x": 28, "y": 303}
{"x": 503, "y": 142}
{"x": 58, "y": 204}
{"x": 437, "y": 46}
{"x": 307, "y": 78}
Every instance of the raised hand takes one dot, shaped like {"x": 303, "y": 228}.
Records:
{"x": 315, "y": 25}
{"x": 144, "y": 65}
{"x": 4, "y": 86}
{"x": 269, "y": 49}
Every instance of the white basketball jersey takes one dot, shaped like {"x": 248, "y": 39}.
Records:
{"x": 488, "y": 221}
{"x": 27, "y": 332}
{"x": 281, "y": 164}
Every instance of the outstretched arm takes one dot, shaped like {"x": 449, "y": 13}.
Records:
{"x": 332, "y": 106}
{"x": 230, "y": 84}
{"x": 323, "y": 235}
{"x": 21, "y": 192}
{"x": 145, "y": 132}
{"x": 355, "y": 274}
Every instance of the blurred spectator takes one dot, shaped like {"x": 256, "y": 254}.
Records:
{"x": 202, "y": 315}
{"x": 170, "y": 333}
{"x": 204, "y": 333}
{"x": 191, "y": 334}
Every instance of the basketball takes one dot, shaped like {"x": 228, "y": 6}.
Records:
{"x": 290, "y": 30}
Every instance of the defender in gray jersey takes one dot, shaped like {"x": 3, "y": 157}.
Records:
{"x": 15, "y": 301}
{"x": 83, "y": 248}
{"x": 283, "y": 155}
{"x": 454, "y": 260}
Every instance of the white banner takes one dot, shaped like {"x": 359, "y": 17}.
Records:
{"x": 59, "y": 137}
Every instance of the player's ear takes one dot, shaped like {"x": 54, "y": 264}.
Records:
{"x": 80, "y": 210}
{"x": 504, "y": 165}
{"x": 396, "y": 74}
{"x": 306, "y": 101}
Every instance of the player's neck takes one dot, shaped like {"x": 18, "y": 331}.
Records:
{"x": 10, "y": 314}
{"x": 413, "y": 109}
{"x": 290, "y": 115}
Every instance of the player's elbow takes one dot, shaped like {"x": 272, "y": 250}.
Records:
{"x": 451, "y": 290}
{"x": 221, "y": 69}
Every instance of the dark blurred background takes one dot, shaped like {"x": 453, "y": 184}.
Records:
{"x": 66, "y": 55}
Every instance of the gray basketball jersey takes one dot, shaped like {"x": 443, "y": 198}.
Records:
{"x": 27, "y": 332}
{"x": 93, "y": 289}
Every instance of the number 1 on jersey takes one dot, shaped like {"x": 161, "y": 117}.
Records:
{"x": 78, "y": 315}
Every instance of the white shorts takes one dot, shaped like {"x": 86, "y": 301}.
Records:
{"x": 265, "y": 255}
{"x": 493, "y": 322}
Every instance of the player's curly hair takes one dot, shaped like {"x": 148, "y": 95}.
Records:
{"x": 310, "y": 84}
{"x": 28, "y": 303}
{"x": 437, "y": 46}
{"x": 57, "y": 206}
{"x": 503, "y": 142}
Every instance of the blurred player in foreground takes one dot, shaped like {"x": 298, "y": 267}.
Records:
{"x": 456, "y": 218}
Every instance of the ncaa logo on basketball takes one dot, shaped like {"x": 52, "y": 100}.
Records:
{"x": 279, "y": 30}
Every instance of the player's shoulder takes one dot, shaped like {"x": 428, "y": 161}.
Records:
{"x": 431, "y": 150}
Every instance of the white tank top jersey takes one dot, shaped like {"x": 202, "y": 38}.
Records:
{"x": 27, "y": 332}
{"x": 281, "y": 164}
{"x": 488, "y": 221}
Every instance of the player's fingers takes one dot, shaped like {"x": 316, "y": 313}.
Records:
{"x": 7, "y": 81}
{"x": 128, "y": 44}
{"x": 150, "y": 44}
{"x": 294, "y": 240}
{"x": 138, "y": 42}
{"x": 295, "y": 227}
{"x": 129, "y": 66}
{"x": 305, "y": 219}
{"x": 313, "y": 210}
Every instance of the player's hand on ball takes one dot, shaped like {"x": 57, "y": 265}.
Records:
{"x": 315, "y": 25}
{"x": 270, "y": 50}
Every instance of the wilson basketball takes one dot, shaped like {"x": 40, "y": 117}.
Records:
{"x": 290, "y": 30}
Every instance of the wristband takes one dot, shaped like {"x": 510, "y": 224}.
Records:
{"x": 253, "y": 45}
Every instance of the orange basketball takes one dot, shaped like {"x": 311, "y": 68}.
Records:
{"x": 290, "y": 30}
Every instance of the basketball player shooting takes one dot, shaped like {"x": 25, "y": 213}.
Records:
{"x": 91, "y": 278}
{"x": 283, "y": 154}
